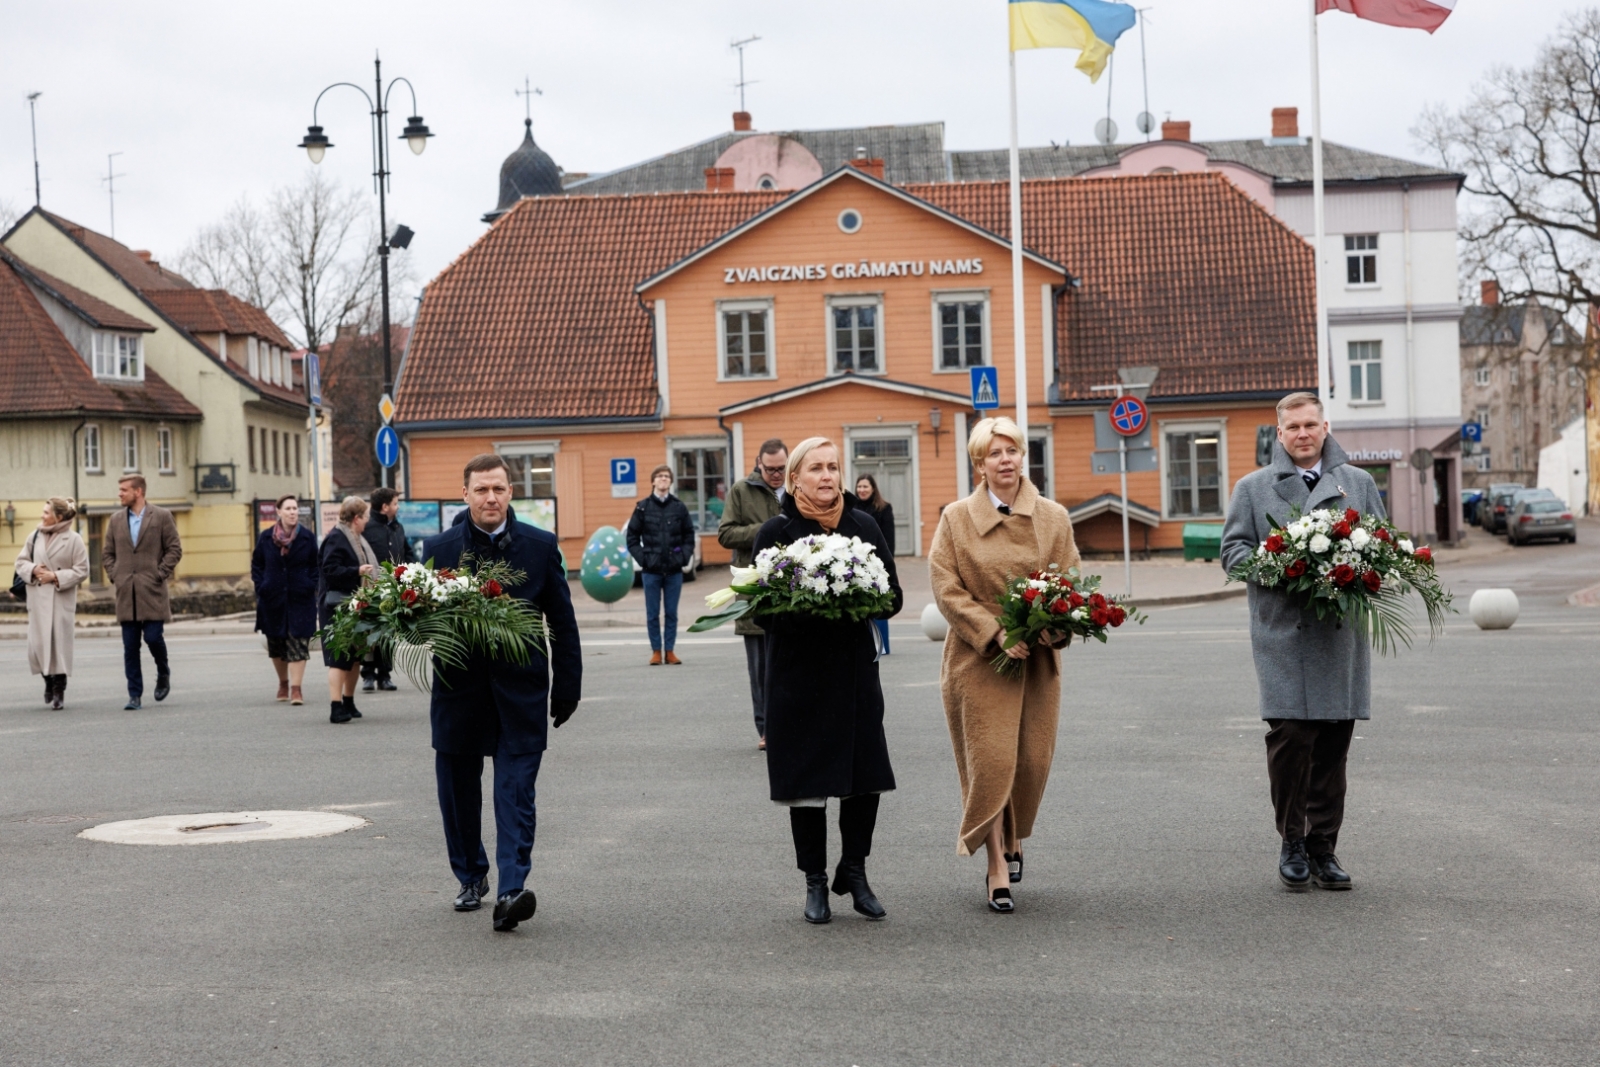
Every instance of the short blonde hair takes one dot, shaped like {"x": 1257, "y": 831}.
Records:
{"x": 798, "y": 456}
{"x": 351, "y": 508}
{"x": 983, "y": 435}
{"x": 1299, "y": 400}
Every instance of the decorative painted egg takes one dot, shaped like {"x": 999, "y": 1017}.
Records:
{"x": 607, "y": 571}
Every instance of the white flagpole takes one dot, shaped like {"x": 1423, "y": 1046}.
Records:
{"x": 1324, "y": 362}
{"x": 1019, "y": 315}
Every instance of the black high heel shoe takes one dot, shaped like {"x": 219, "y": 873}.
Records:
{"x": 1014, "y": 866}
{"x": 999, "y": 899}
{"x": 852, "y": 878}
{"x": 817, "y": 910}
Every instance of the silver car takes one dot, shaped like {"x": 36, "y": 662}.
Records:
{"x": 1533, "y": 517}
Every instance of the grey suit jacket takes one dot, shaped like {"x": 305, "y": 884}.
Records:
{"x": 1306, "y": 669}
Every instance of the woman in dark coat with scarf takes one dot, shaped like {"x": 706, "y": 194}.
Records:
{"x": 284, "y": 570}
{"x": 347, "y": 561}
{"x": 824, "y": 704}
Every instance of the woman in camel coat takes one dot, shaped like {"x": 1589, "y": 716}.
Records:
{"x": 53, "y": 562}
{"x": 1003, "y": 730}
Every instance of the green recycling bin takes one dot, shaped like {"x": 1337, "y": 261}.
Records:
{"x": 1202, "y": 540}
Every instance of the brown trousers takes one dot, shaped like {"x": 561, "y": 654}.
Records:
{"x": 1306, "y": 766}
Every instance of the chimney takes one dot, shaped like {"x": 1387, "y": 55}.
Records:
{"x": 1491, "y": 292}
{"x": 1285, "y": 122}
{"x": 873, "y": 167}
{"x": 1174, "y": 131}
{"x": 719, "y": 179}
{"x": 741, "y": 121}
{"x": 144, "y": 254}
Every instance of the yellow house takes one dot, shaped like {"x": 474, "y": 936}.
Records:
{"x": 211, "y": 410}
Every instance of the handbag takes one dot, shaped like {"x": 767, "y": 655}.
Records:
{"x": 19, "y": 588}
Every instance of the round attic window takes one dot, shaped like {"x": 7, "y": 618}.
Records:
{"x": 850, "y": 220}
{"x": 766, "y": 183}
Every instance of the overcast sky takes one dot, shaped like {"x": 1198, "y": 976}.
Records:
{"x": 207, "y": 101}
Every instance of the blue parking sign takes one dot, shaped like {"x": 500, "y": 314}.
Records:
{"x": 624, "y": 478}
{"x": 1472, "y": 431}
{"x": 985, "y": 388}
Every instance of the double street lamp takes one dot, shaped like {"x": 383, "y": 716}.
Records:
{"x": 415, "y": 135}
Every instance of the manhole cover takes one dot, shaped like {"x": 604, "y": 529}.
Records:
{"x": 217, "y": 827}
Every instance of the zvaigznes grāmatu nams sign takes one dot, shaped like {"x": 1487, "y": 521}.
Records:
{"x": 809, "y": 272}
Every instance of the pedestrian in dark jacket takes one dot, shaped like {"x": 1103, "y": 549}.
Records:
{"x": 347, "y": 561}
{"x": 140, "y": 554}
{"x": 285, "y": 571}
{"x": 824, "y": 703}
{"x": 661, "y": 541}
{"x": 497, "y": 709}
{"x": 751, "y": 503}
{"x": 882, "y": 512}
{"x": 388, "y": 540}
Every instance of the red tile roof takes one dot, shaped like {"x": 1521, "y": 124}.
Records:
{"x": 42, "y": 375}
{"x": 207, "y": 311}
{"x": 91, "y": 308}
{"x": 138, "y": 271}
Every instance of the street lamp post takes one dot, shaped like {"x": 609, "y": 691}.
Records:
{"x": 415, "y": 135}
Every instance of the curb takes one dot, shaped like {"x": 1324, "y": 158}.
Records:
{"x": 1193, "y": 598}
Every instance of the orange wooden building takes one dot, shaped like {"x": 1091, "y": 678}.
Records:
{"x": 584, "y": 333}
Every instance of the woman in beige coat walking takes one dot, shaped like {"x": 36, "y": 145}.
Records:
{"x": 53, "y": 562}
{"x": 1003, "y": 730}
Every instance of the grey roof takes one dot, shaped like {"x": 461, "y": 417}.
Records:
{"x": 912, "y": 153}
{"x": 527, "y": 171}
{"x": 1287, "y": 162}
{"x": 1501, "y": 324}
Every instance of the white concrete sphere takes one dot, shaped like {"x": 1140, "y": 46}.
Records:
{"x": 1494, "y": 609}
{"x": 933, "y": 623}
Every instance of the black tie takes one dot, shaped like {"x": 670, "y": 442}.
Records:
{"x": 1004, "y": 510}
{"x": 1312, "y": 478}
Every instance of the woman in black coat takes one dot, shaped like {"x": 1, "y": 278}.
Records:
{"x": 346, "y": 560}
{"x": 882, "y": 512}
{"x": 285, "y": 571}
{"x": 824, "y": 703}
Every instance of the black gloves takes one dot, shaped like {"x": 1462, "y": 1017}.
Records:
{"x": 561, "y": 711}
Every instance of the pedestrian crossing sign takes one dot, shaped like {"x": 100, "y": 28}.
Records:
{"x": 985, "y": 388}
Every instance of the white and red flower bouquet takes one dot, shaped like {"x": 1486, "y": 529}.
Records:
{"x": 1350, "y": 567}
{"x": 415, "y": 614}
{"x": 1056, "y": 602}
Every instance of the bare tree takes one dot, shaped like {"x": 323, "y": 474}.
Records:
{"x": 235, "y": 254}
{"x": 8, "y": 215}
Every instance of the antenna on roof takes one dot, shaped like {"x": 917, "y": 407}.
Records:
{"x": 111, "y": 188}
{"x": 34, "y": 126}
{"x": 740, "y": 47}
{"x": 528, "y": 92}
{"x": 1105, "y": 131}
{"x": 1146, "y": 121}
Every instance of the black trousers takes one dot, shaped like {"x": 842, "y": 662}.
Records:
{"x": 1306, "y": 767}
{"x": 857, "y": 817}
{"x": 755, "y": 661}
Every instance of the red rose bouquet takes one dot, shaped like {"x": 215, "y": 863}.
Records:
{"x": 1055, "y": 602}
{"x": 417, "y": 614}
{"x": 1352, "y": 567}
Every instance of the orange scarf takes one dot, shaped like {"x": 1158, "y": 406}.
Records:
{"x": 826, "y": 517}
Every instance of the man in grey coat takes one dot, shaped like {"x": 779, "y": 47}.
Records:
{"x": 751, "y": 503}
{"x": 1315, "y": 676}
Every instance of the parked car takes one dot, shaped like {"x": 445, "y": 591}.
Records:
{"x": 1492, "y": 513}
{"x": 1534, "y": 517}
{"x": 1470, "y": 500}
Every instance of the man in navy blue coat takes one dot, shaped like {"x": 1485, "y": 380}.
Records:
{"x": 498, "y": 709}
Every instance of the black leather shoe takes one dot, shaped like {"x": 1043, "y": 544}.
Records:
{"x": 369, "y": 686}
{"x": 163, "y": 686}
{"x": 49, "y": 688}
{"x": 1327, "y": 874}
{"x": 60, "y": 692}
{"x": 338, "y": 713}
{"x": 817, "y": 910}
{"x": 513, "y": 908}
{"x": 471, "y": 896}
{"x": 386, "y": 685}
{"x": 999, "y": 899}
{"x": 350, "y": 709}
{"x": 1294, "y": 869}
{"x": 851, "y": 878}
{"x": 1014, "y": 866}
{"x": 133, "y": 704}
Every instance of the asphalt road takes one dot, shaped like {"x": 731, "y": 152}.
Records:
{"x": 1150, "y": 928}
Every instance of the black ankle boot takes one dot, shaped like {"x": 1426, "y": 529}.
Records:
{"x": 49, "y": 689}
{"x": 817, "y": 910}
{"x": 59, "y": 692}
{"x": 340, "y": 712}
{"x": 851, "y": 877}
{"x": 350, "y": 711}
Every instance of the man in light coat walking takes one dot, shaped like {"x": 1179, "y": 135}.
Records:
{"x": 751, "y": 503}
{"x": 140, "y": 555}
{"x": 1314, "y": 676}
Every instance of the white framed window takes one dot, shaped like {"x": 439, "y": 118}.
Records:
{"x": 1041, "y": 464}
{"x": 1481, "y": 416}
{"x": 744, "y": 340}
{"x": 1516, "y": 420}
{"x": 1361, "y": 259}
{"x": 1516, "y": 374}
{"x": 1366, "y": 372}
{"x": 130, "y": 448}
{"x": 1194, "y": 473}
{"x": 252, "y": 357}
{"x": 118, "y": 355}
{"x": 91, "y": 448}
{"x": 700, "y": 472}
{"x": 532, "y": 468}
{"x": 164, "y": 449}
{"x": 855, "y": 334}
{"x": 1516, "y": 459}
{"x": 960, "y": 331}
{"x": 1480, "y": 376}
{"x": 1482, "y": 462}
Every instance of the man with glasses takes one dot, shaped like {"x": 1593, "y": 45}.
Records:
{"x": 751, "y": 503}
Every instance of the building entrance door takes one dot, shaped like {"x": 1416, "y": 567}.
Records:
{"x": 889, "y": 461}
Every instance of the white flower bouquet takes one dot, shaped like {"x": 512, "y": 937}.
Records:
{"x": 827, "y": 576}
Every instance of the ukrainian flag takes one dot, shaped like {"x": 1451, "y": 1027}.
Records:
{"x": 1091, "y": 26}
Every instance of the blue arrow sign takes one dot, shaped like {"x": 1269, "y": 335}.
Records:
{"x": 387, "y": 445}
{"x": 985, "y": 388}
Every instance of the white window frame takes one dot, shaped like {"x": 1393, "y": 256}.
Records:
{"x": 880, "y": 431}
{"x": 164, "y": 452}
{"x": 531, "y": 448}
{"x": 1225, "y": 486}
{"x": 1361, "y": 254}
{"x": 1480, "y": 376}
{"x": 252, "y": 358}
{"x": 111, "y": 353}
{"x": 855, "y": 300}
{"x": 730, "y": 307}
{"x": 1365, "y": 400}
{"x": 130, "y": 449}
{"x": 1481, "y": 416}
{"x": 1048, "y": 433}
{"x": 92, "y": 458}
{"x": 716, "y": 443}
{"x": 942, "y": 297}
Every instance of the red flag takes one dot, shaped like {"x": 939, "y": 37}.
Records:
{"x": 1413, "y": 14}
